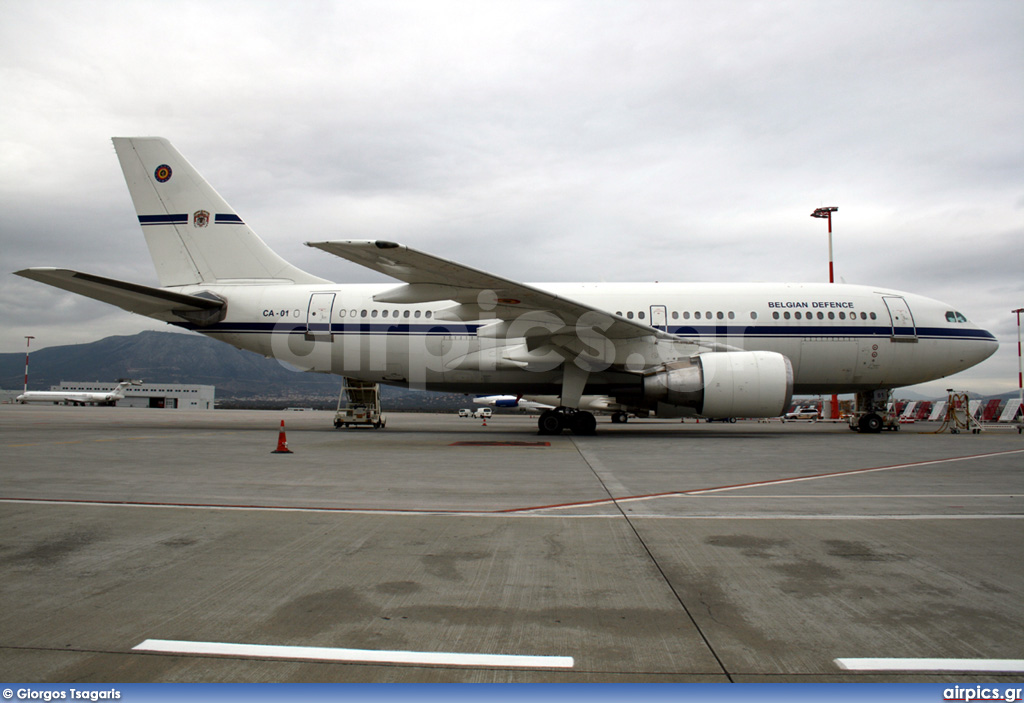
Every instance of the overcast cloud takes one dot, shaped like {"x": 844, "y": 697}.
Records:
{"x": 544, "y": 141}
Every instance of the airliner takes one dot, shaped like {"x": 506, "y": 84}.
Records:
{"x": 77, "y": 397}
{"x": 709, "y": 350}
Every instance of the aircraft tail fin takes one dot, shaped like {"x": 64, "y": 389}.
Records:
{"x": 193, "y": 235}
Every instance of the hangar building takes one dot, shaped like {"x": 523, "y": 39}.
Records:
{"x": 152, "y": 395}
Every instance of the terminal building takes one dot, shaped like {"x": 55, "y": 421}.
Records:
{"x": 152, "y": 395}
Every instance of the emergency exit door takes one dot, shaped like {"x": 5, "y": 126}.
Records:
{"x": 659, "y": 317}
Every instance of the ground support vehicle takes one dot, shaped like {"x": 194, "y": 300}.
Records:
{"x": 361, "y": 406}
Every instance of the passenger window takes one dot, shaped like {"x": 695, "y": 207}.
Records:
{"x": 373, "y": 313}
{"x": 629, "y": 314}
{"x": 362, "y": 314}
{"x": 686, "y": 315}
{"x": 797, "y": 315}
{"x": 429, "y": 314}
{"x": 384, "y": 314}
{"x": 786, "y": 315}
{"x": 821, "y": 315}
{"x": 753, "y": 315}
{"x": 416, "y": 314}
{"x": 842, "y": 316}
{"x": 732, "y": 316}
{"x": 874, "y": 316}
{"x": 696, "y": 315}
{"x": 721, "y": 315}
{"x": 775, "y": 315}
{"x": 831, "y": 316}
{"x": 640, "y": 315}
{"x": 675, "y": 315}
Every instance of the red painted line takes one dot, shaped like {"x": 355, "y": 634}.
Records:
{"x": 553, "y": 506}
{"x": 752, "y": 484}
{"x": 231, "y": 506}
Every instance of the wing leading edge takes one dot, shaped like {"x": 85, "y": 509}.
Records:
{"x": 480, "y": 295}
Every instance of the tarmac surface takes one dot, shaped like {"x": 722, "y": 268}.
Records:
{"x": 169, "y": 545}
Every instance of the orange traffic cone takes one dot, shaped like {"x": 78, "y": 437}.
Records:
{"x": 282, "y": 442}
{"x": 485, "y": 421}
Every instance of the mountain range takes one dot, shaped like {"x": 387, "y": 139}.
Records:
{"x": 242, "y": 378}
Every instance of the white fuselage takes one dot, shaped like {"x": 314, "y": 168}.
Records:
{"x": 838, "y": 337}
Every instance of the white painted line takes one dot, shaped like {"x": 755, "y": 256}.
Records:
{"x": 964, "y": 665}
{"x": 267, "y": 651}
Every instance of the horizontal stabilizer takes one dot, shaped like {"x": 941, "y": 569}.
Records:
{"x": 158, "y": 303}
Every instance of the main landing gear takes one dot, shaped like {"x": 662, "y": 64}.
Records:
{"x": 554, "y": 421}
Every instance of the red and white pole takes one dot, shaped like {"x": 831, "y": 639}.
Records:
{"x": 831, "y": 270}
{"x": 832, "y": 279}
{"x": 827, "y": 212}
{"x": 28, "y": 340}
{"x": 1020, "y": 365}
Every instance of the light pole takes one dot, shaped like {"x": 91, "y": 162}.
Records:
{"x": 28, "y": 341}
{"x": 826, "y": 212}
{"x": 1020, "y": 369}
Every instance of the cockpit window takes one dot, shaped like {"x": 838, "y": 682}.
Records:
{"x": 952, "y": 316}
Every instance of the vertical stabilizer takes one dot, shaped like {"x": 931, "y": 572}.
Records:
{"x": 193, "y": 235}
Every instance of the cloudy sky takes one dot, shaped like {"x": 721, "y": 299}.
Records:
{"x": 544, "y": 141}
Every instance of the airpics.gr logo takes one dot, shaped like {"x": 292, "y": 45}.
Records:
{"x": 163, "y": 173}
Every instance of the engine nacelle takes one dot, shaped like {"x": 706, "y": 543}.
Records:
{"x": 726, "y": 384}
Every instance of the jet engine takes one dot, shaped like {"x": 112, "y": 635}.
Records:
{"x": 725, "y": 384}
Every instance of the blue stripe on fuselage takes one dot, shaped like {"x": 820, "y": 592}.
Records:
{"x": 729, "y": 333}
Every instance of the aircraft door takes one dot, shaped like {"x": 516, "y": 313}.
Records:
{"x": 318, "y": 315}
{"x": 903, "y": 327}
{"x": 659, "y": 317}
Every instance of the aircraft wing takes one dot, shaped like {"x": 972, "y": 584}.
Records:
{"x": 158, "y": 303}
{"x": 482, "y": 295}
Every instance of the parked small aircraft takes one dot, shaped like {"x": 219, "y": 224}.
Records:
{"x": 78, "y": 397}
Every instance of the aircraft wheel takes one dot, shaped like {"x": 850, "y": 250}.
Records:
{"x": 871, "y": 423}
{"x": 620, "y": 417}
{"x": 583, "y": 423}
{"x": 551, "y": 422}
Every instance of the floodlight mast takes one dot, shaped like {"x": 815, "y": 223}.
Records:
{"x": 826, "y": 212}
{"x": 1020, "y": 368}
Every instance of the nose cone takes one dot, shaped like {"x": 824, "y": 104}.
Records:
{"x": 980, "y": 347}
